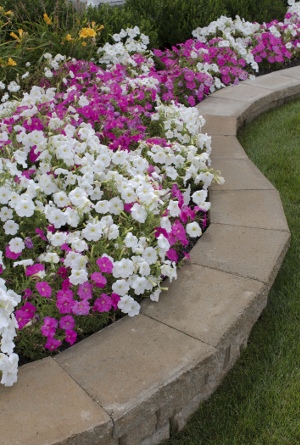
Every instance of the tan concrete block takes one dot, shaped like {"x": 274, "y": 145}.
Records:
{"x": 251, "y": 208}
{"x": 254, "y": 96}
{"x": 162, "y": 433}
{"x": 247, "y": 92}
{"x": 245, "y": 251}
{"x": 46, "y": 406}
{"x": 216, "y": 307}
{"x": 220, "y": 106}
{"x": 180, "y": 419}
{"x": 148, "y": 364}
{"x": 226, "y": 147}
{"x": 291, "y": 72}
{"x": 135, "y": 435}
{"x": 240, "y": 174}
{"x": 283, "y": 84}
{"x": 220, "y": 125}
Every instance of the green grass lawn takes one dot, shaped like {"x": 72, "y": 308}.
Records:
{"x": 259, "y": 401}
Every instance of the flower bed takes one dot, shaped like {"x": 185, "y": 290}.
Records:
{"x": 104, "y": 176}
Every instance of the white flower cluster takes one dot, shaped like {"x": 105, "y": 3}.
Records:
{"x": 53, "y": 63}
{"x": 8, "y": 325}
{"x": 236, "y": 34}
{"x": 90, "y": 188}
{"x": 184, "y": 125}
{"x": 119, "y": 52}
{"x": 294, "y": 7}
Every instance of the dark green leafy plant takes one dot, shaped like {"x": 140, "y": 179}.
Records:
{"x": 257, "y": 10}
{"x": 174, "y": 20}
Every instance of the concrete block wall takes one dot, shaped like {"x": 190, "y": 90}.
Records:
{"x": 141, "y": 378}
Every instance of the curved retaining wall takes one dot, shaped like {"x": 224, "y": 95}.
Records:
{"x": 134, "y": 381}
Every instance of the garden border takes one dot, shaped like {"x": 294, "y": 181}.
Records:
{"x": 140, "y": 378}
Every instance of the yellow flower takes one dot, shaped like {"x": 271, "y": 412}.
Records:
{"x": 99, "y": 27}
{"x": 83, "y": 43}
{"x": 68, "y": 38}
{"x": 9, "y": 13}
{"x": 14, "y": 36}
{"x": 11, "y": 62}
{"x": 87, "y": 32}
{"x": 47, "y": 20}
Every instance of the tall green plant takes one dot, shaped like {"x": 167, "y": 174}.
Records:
{"x": 257, "y": 10}
{"x": 32, "y": 10}
{"x": 175, "y": 20}
{"x": 115, "y": 18}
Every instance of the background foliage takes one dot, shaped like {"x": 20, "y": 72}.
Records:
{"x": 166, "y": 22}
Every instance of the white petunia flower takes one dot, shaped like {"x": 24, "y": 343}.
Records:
{"x": 10, "y": 227}
{"x": 120, "y": 287}
{"x": 16, "y": 245}
{"x": 102, "y": 206}
{"x": 138, "y": 213}
{"x": 78, "y": 276}
{"x": 173, "y": 208}
{"x": 150, "y": 255}
{"x": 92, "y": 231}
{"x": 193, "y": 229}
{"x": 129, "y": 306}
{"x": 123, "y": 268}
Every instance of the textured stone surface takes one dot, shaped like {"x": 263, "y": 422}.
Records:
{"x": 212, "y": 304}
{"x": 227, "y": 147}
{"x": 289, "y": 72}
{"x": 147, "y": 364}
{"x": 251, "y": 208}
{"x": 220, "y": 106}
{"x": 281, "y": 83}
{"x": 250, "y": 93}
{"x": 246, "y": 251}
{"x": 47, "y": 407}
{"x": 240, "y": 174}
{"x": 162, "y": 433}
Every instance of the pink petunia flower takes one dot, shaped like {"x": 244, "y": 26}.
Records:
{"x": 172, "y": 255}
{"x": 85, "y": 290}
{"x": 81, "y": 307}
{"x": 52, "y": 343}
{"x": 67, "y": 322}
{"x": 99, "y": 279}
{"x": 25, "y": 314}
{"x": 44, "y": 289}
{"x": 34, "y": 269}
{"x": 11, "y": 255}
{"x": 40, "y": 233}
{"x": 64, "y": 302}
{"x": 115, "y": 298}
{"x": 49, "y": 326}
{"x": 105, "y": 264}
{"x": 71, "y": 336}
{"x": 103, "y": 304}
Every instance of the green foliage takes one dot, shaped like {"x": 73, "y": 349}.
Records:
{"x": 257, "y": 10}
{"x": 116, "y": 18}
{"x": 174, "y": 20}
{"x": 62, "y": 11}
{"x": 26, "y": 41}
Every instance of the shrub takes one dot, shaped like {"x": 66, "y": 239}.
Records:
{"x": 116, "y": 18}
{"x": 174, "y": 20}
{"x": 257, "y": 10}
